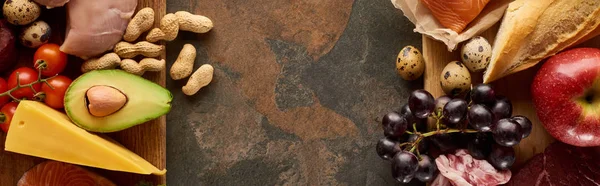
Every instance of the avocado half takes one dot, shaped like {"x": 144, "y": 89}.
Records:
{"x": 146, "y": 100}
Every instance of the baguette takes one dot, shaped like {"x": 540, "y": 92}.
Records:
{"x": 534, "y": 30}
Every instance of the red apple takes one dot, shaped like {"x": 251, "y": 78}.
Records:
{"x": 566, "y": 95}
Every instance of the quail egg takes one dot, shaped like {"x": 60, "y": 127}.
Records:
{"x": 455, "y": 78}
{"x": 476, "y": 53}
{"x": 21, "y": 12}
{"x": 35, "y": 34}
{"x": 410, "y": 63}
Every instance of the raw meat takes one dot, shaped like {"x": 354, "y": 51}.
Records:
{"x": 52, "y": 3}
{"x": 561, "y": 164}
{"x": 440, "y": 180}
{"x": 463, "y": 170}
{"x": 455, "y": 14}
{"x": 94, "y": 27}
{"x": 59, "y": 173}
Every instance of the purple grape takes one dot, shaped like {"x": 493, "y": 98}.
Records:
{"x": 483, "y": 93}
{"x": 502, "y": 108}
{"x": 501, "y": 157}
{"x": 441, "y": 102}
{"x": 444, "y": 141}
{"x": 507, "y": 132}
{"x": 404, "y": 166}
{"x": 421, "y": 103}
{"x": 468, "y": 96}
{"x": 480, "y": 118}
{"x": 423, "y": 144}
{"x": 427, "y": 169}
{"x": 405, "y": 110}
{"x": 480, "y": 145}
{"x": 421, "y": 123}
{"x": 386, "y": 148}
{"x": 525, "y": 125}
{"x": 454, "y": 111}
{"x": 394, "y": 125}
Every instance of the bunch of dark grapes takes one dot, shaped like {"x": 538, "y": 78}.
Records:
{"x": 482, "y": 123}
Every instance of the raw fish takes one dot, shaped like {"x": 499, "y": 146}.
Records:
{"x": 455, "y": 14}
{"x": 94, "y": 27}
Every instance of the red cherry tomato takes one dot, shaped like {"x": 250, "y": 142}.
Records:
{"x": 26, "y": 76}
{"x": 3, "y": 88}
{"x": 55, "y": 95}
{"x": 8, "y": 111}
{"x": 53, "y": 60}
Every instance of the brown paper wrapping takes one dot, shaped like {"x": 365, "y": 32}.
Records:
{"x": 426, "y": 23}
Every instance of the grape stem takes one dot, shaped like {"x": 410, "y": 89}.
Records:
{"x": 419, "y": 154}
{"x": 404, "y": 144}
{"x": 415, "y": 128}
{"x": 414, "y": 145}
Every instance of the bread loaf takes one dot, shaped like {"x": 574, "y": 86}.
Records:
{"x": 533, "y": 30}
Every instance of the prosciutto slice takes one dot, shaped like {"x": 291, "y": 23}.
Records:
{"x": 94, "y": 27}
{"x": 461, "y": 169}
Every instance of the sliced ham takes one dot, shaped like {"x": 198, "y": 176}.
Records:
{"x": 461, "y": 169}
{"x": 52, "y": 3}
{"x": 94, "y": 27}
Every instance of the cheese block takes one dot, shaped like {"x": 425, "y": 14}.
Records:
{"x": 38, "y": 130}
{"x": 534, "y": 30}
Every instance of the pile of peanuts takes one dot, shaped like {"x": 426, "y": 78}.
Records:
{"x": 169, "y": 27}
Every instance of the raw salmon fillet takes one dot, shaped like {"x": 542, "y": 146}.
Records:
{"x": 54, "y": 173}
{"x": 455, "y": 14}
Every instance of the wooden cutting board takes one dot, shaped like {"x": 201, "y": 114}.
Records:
{"x": 516, "y": 87}
{"x": 147, "y": 140}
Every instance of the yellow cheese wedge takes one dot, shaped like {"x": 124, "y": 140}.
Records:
{"x": 41, "y": 131}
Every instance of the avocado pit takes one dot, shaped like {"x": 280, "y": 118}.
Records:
{"x": 104, "y": 100}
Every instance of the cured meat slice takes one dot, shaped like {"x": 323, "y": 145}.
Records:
{"x": 440, "y": 180}
{"x": 54, "y": 173}
{"x": 455, "y": 14}
{"x": 461, "y": 169}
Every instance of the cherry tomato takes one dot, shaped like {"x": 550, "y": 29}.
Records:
{"x": 3, "y": 88}
{"x": 8, "y": 111}
{"x": 53, "y": 60}
{"x": 55, "y": 95}
{"x": 26, "y": 76}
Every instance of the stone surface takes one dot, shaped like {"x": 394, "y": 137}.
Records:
{"x": 297, "y": 92}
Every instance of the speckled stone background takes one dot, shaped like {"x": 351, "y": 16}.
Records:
{"x": 297, "y": 90}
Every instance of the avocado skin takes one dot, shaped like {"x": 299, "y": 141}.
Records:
{"x": 135, "y": 87}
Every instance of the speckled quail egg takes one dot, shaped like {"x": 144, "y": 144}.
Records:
{"x": 476, "y": 53}
{"x": 35, "y": 34}
{"x": 21, "y": 12}
{"x": 410, "y": 63}
{"x": 455, "y": 78}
